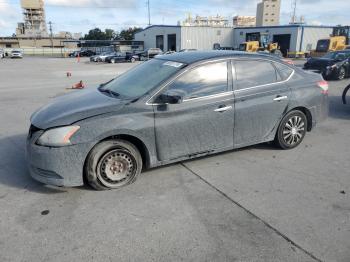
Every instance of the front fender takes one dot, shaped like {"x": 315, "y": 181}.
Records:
{"x": 139, "y": 125}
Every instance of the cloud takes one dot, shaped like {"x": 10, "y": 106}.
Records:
{"x": 9, "y": 15}
{"x": 94, "y": 3}
{"x": 118, "y": 14}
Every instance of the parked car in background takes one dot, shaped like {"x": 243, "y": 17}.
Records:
{"x": 172, "y": 108}
{"x": 74, "y": 54}
{"x": 187, "y": 50}
{"x": 166, "y": 53}
{"x": 16, "y": 54}
{"x": 122, "y": 57}
{"x": 95, "y": 57}
{"x": 85, "y": 53}
{"x": 149, "y": 53}
{"x": 333, "y": 65}
{"x": 101, "y": 57}
{"x": 2, "y": 53}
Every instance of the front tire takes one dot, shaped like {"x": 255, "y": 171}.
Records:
{"x": 341, "y": 73}
{"x": 292, "y": 130}
{"x": 113, "y": 164}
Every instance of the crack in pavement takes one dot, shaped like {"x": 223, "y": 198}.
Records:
{"x": 255, "y": 216}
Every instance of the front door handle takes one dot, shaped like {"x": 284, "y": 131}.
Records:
{"x": 223, "y": 109}
{"x": 280, "y": 98}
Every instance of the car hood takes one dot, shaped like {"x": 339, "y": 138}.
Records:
{"x": 320, "y": 62}
{"x": 71, "y": 108}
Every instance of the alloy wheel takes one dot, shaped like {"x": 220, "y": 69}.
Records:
{"x": 341, "y": 75}
{"x": 294, "y": 130}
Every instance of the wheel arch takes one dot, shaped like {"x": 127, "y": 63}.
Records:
{"x": 137, "y": 142}
{"x": 308, "y": 115}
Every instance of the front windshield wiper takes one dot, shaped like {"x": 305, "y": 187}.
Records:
{"x": 108, "y": 91}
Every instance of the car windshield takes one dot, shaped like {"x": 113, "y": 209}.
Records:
{"x": 337, "y": 55}
{"x": 142, "y": 79}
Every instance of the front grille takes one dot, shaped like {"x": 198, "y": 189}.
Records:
{"x": 32, "y": 130}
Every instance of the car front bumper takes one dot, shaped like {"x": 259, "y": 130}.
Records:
{"x": 325, "y": 72}
{"x": 58, "y": 166}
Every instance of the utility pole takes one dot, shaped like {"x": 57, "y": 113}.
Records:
{"x": 50, "y": 28}
{"x": 149, "y": 12}
{"x": 294, "y": 7}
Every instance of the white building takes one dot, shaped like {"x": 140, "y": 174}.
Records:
{"x": 268, "y": 13}
{"x": 244, "y": 21}
{"x": 291, "y": 38}
{"x": 176, "y": 38}
{"x": 213, "y": 21}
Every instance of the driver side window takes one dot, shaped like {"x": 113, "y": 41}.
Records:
{"x": 205, "y": 80}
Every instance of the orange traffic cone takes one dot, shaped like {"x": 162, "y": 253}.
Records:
{"x": 79, "y": 85}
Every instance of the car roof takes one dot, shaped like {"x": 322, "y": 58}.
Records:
{"x": 197, "y": 56}
{"x": 342, "y": 51}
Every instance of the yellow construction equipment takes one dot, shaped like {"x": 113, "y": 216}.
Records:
{"x": 264, "y": 45}
{"x": 334, "y": 43}
{"x": 339, "y": 40}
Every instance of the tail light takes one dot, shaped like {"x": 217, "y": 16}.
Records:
{"x": 324, "y": 86}
{"x": 288, "y": 61}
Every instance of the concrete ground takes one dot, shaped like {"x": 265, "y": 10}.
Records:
{"x": 253, "y": 204}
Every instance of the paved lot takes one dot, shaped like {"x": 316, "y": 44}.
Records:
{"x": 252, "y": 204}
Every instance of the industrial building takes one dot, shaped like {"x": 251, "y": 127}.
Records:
{"x": 34, "y": 24}
{"x": 291, "y": 38}
{"x": 175, "y": 38}
{"x": 32, "y": 42}
{"x": 268, "y": 13}
{"x": 100, "y": 46}
{"x": 212, "y": 21}
{"x": 244, "y": 21}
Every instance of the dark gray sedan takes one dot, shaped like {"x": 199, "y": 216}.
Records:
{"x": 169, "y": 109}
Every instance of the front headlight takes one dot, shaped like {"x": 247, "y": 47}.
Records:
{"x": 332, "y": 67}
{"x": 57, "y": 137}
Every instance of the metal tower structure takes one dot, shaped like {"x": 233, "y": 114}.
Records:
{"x": 34, "y": 19}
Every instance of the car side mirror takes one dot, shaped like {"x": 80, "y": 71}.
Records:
{"x": 168, "y": 99}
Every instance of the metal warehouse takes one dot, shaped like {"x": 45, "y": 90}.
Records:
{"x": 291, "y": 38}
{"x": 175, "y": 38}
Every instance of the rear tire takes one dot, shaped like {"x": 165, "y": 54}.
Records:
{"x": 113, "y": 164}
{"x": 292, "y": 130}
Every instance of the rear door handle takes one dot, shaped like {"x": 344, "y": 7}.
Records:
{"x": 280, "y": 98}
{"x": 223, "y": 109}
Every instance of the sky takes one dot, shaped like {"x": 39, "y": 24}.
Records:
{"x": 81, "y": 15}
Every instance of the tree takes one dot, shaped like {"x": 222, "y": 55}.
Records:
{"x": 110, "y": 34}
{"x": 128, "y": 34}
{"x": 98, "y": 34}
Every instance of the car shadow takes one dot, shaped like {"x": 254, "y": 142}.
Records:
{"x": 13, "y": 167}
{"x": 14, "y": 172}
{"x": 337, "y": 109}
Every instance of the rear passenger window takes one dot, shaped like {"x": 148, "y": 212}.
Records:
{"x": 254, "y": 73}
{"x": 283, "y": 70}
